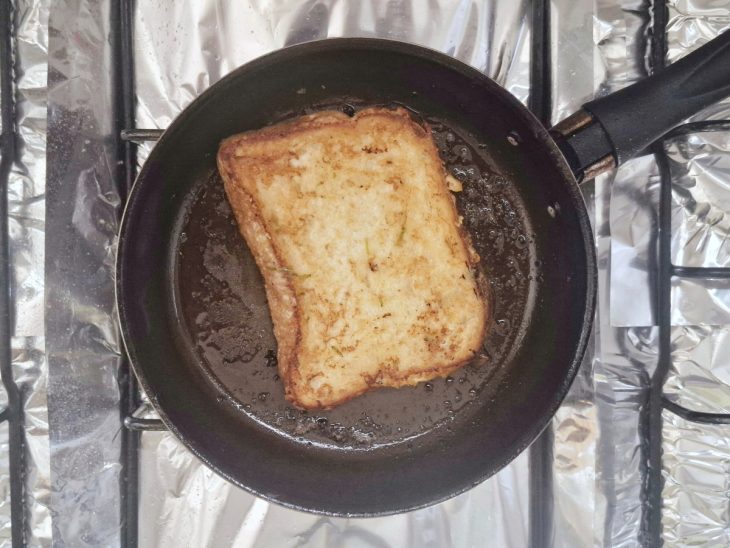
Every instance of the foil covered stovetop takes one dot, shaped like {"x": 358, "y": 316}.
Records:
{"x": 64, "y": 215}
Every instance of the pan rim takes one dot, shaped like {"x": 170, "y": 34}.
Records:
{"x": 454, "y": 64}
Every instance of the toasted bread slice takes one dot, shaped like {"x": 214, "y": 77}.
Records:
{"x": 369, "y": 277}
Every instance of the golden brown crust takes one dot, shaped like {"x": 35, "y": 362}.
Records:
{"x": 279, "y": 289}
{"x": 266, "y": 168}
{"x": 409, "y": 379}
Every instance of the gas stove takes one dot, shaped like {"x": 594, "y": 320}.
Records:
{"x": 637, "y": 454}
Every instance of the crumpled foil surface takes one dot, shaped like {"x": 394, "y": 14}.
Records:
{"x": 700, "y": 165}
{"x": 26, "y": 224}
{"x": 64, "y": 212}
{"x": 695, "y": 456}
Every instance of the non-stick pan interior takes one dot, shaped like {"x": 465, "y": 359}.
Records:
{"x": 197, "y": 325}
{"x": 222, "y": 298}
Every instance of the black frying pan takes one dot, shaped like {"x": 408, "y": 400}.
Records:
{"x": 193, "y": 310}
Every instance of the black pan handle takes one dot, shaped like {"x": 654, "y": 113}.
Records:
{"x": 610, "y": 130}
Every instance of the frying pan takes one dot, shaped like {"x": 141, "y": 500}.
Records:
{"x": 193, "y": 310}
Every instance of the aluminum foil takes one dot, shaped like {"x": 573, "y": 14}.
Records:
{"x": 696, "y": 459}
{"x": 26, "y": 223}
{"x": 700, "y": 375}
{"x": 82, "y": 342}
{"x": 700, "y": 166}
{"x": 185, "y": 504}
{"x": 597, "y": 462}
{"x": 180, "y": 49}
{"x": 575, "y": 426}
{"x": 695, "y": 456}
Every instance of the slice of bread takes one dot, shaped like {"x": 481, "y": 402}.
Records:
{"x": 370, "y": 279}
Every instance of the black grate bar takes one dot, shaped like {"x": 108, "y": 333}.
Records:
{"x": 651, "y": 414}
{"x": 121, "y": 38}
{"x": 13, "y": 413}
{"x": 141, "y": 135}
{"x": 699, "y": 127}
{"x": 651, "y": 422}
{"x": 124, "y": 89}
{"x": 540, "y": 100}
{"x": 141, "y": 425}
{"x": 540, "y": 527}
{"x": 701, "y": 272}
{"x": 695, "y": 416}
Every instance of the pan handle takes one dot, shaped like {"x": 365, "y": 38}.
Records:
{"x": 610, "y": 130}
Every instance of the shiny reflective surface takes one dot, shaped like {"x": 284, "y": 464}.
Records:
{"x": 181, "y": 49}
{"x": 26, "y": 201}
